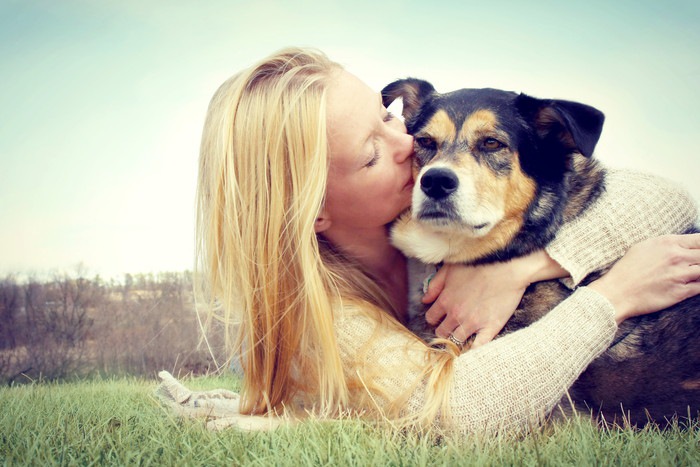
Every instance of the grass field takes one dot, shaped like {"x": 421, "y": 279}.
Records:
{"x": 119, "y": 422}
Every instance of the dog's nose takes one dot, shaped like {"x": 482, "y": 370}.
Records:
{"x": 438, "y": 183}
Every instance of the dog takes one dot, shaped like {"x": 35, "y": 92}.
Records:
{"x": 497, "y": 174}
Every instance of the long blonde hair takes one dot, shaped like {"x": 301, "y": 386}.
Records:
{"x": 262, "y": 269}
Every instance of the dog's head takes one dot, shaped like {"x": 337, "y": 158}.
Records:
{"x": 491, "y": 166}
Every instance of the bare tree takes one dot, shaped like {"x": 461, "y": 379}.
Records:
{"x": 10, "y": 304}
{"x": 56, "y": 324}
{"x": 72, "y": 325}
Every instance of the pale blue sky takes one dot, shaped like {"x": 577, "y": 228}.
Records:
{"x": 102, "y": 103}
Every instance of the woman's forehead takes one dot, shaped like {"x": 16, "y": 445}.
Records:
{"x": 348, "y": 96}
{"x": 352, "y": 107}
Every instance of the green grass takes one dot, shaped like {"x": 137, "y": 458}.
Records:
{"x": 119, "y": 422}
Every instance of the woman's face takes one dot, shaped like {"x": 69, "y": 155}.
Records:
{"x": 370, "y": 179}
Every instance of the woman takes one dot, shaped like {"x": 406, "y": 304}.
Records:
{"x": 301, "y": 171}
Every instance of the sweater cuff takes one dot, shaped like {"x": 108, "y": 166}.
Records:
{"x": 635, "y": 206}
{"x": 593, "y": 302}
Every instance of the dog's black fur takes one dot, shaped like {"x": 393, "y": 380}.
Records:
{"x": 651, "y": 372}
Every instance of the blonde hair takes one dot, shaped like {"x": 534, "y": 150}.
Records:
{"x": 262, "y": 269}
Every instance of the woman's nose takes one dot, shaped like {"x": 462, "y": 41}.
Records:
{"x": 405, "y": 147}
{"x": 403, "y": 142}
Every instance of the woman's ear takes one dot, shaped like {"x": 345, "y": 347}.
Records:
{"x": 323, "y": 222}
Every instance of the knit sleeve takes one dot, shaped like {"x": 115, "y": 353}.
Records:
{"x": 506, "y": 385}
{"x": 635, "y": 206}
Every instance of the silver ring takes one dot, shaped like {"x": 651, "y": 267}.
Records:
{"x": 456, "y": 341}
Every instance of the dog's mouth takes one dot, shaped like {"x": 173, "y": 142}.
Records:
{"x": 436, "y": 212}
{"x": 443, "y": 216}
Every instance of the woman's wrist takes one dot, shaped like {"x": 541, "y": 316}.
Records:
{"x": 611, "y": 291}
{"x": 539, "y": 266}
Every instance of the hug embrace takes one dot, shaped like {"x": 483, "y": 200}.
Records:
{"x": 472, "y": 270}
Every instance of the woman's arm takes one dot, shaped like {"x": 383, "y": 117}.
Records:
{"x": 511, "y": 382}
{"x": 634, "y": 206}
{"x": 506, "y": 385}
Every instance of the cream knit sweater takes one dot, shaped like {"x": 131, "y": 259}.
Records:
{"x": 510, "y": 383}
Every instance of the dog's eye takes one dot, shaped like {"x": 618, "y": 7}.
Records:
{"x": 428, "y": 144}
{"x": 492, "y": 144}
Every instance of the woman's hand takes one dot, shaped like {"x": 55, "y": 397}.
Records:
{"x": 481, "y": 299}
{"x": 653, "y": 275}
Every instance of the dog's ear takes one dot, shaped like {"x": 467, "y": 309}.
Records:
{"x": 414, "y": 93}
{"x": 575, "y": 126}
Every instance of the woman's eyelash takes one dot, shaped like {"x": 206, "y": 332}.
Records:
{"x": 375, "y": 157}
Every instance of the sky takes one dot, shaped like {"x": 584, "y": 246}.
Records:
{"x": 102, "y": 103}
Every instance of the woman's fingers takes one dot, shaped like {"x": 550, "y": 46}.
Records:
{"x": 692, "y": 273}
{"x": 448, "y": 326}
{"x": 690, "y": 241}
{"x": 484, "y": 336}
{"x": 435, "y": 285}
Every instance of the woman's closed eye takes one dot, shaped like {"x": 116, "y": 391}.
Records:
{"x": 388, "y": 117}
{"x": 375, "y": 147}
{"x": 375, "y": 155}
